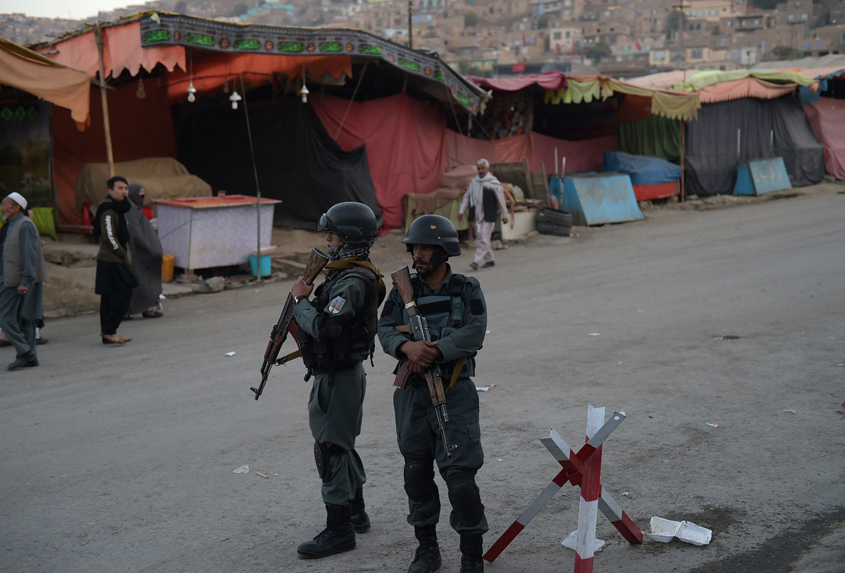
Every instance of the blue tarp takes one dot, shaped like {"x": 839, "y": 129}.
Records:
{"x": 643, "y": 170}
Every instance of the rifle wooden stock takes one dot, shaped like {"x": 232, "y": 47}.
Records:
{"x": 402, "y": 284}
{"x": 402, "y": 376}
{"x": 316, "y": 261}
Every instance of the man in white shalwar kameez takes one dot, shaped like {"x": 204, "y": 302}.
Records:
{"x": 474, "y": 199}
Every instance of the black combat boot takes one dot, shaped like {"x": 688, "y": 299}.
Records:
{"x": 337, "y": 537}
{"x": 360, "y": 519}
{"x": 471, "y": 560}
{"x": 427, "y": 557}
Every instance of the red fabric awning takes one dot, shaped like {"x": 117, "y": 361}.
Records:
{"x": 121, "y": 51}
{"x": 546, "y": 80}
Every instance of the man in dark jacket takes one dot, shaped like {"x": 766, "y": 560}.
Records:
{"x": 337, "y": 332}
{"x": 454, "y": 307}
{"x": 115, "y": 280}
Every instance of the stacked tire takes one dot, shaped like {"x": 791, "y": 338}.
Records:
{"x": 552, "y": 222}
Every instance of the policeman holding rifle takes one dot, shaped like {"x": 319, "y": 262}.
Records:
{"x": 337, "y": 331}
{"x": 454, "y": 308}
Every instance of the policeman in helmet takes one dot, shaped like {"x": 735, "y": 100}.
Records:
{"x": 337, "y": 333}
{"x": 456, "y": 312}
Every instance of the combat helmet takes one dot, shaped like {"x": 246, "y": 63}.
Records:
{"x": 434, "y": 230}
{"x": 354, "y": 223}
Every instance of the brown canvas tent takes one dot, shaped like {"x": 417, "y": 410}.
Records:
{"x": 51, "y": 81}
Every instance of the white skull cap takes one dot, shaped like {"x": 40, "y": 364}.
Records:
{"x": 17, "y": 198}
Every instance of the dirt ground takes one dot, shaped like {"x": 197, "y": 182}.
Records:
{"x": 124, "y": 458}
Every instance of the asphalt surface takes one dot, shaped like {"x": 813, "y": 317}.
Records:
{"x": 123, "y": 459}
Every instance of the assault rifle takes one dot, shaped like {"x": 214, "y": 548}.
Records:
{"x": 279, "y": 334}
{"x": 419, "y": 332}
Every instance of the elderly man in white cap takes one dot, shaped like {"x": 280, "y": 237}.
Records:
{"x": 485, "y": 199}
{"x": 22, "y": 273}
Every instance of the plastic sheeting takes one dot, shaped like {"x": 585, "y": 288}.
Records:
{"x": 827, "y": 119}
{"x": 711, "y": 143}
{"x": 297, "y": 161}
{"x": 643, "y": 170}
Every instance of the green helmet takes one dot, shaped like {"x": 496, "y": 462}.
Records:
{"x": 434, "y": 230}
{"x": 354, "y": 223}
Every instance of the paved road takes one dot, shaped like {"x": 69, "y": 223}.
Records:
{"x": 122, "y": 459}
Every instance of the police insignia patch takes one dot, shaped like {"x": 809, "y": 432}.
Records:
{"x": 336, "y": 304}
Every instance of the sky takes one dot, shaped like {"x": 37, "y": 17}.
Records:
{"x": 77, "y": 9}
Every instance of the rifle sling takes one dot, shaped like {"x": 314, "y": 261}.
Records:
{"x": 289, "y": 357}
{"x": 346, "y": 263}
{"x": 459, "y": 365}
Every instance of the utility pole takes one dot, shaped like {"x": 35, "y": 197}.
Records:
{"x": 680, "y": 31}
{"x": 410, "y": 24}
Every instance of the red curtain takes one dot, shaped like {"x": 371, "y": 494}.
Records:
{"x": 406, "y": 145}
{"x": 140, "y": 128}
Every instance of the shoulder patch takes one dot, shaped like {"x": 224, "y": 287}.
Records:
{"x": 336, "y": 304}
{"x": 476, "y": 307}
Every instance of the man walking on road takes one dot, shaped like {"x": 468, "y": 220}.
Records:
{"x": 456, "y": 313}
{"x": 22, "y": 273}
{"x": 114, "y": 281}
{"x": 337, "y": 332}
{"x": 484, "y": 197}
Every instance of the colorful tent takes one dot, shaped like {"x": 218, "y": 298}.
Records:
{"x": 827, "y": 119}
{"x": 159, "y": 56}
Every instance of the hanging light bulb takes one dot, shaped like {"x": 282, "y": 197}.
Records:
{"x": 304, "y": 92}
{"x": 235, "y": 98}
{"x": 192, "y": 91}
{"x": 140, "y": 94}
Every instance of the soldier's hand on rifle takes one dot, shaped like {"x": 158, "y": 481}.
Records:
{"x": 299, "y": 288}
{"x": 421, "y": 353}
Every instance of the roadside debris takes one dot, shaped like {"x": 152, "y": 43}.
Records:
{"x": 714, "y": 425}
{"x": 572, "y": 539}
{"x": 664, "y": 530}
{"x": 484, "y": 388}
{"x": 230, "y": 353}
{"x": 262, "y": 475}
{"x": 594, "y": 334}
{"x": 244, "y": 469}
{"x": 790, "y": 411}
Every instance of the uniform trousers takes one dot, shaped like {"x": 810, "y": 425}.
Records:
{"x": 419, "y": 439}
{"x": 335, "y": 412}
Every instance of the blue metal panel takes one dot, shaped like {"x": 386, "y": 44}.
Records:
{"x": 599, "y": 199}
{"x": 744, "y": 185}
{"x": 761, "y": 177}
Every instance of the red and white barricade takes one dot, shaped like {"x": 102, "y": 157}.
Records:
{"x": 580, "y": 469}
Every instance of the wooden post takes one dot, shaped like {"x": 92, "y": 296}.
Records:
{"x": 410, "y": 24}
{"x": 683, "y": 165}
{"x": 98, "y": 35}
